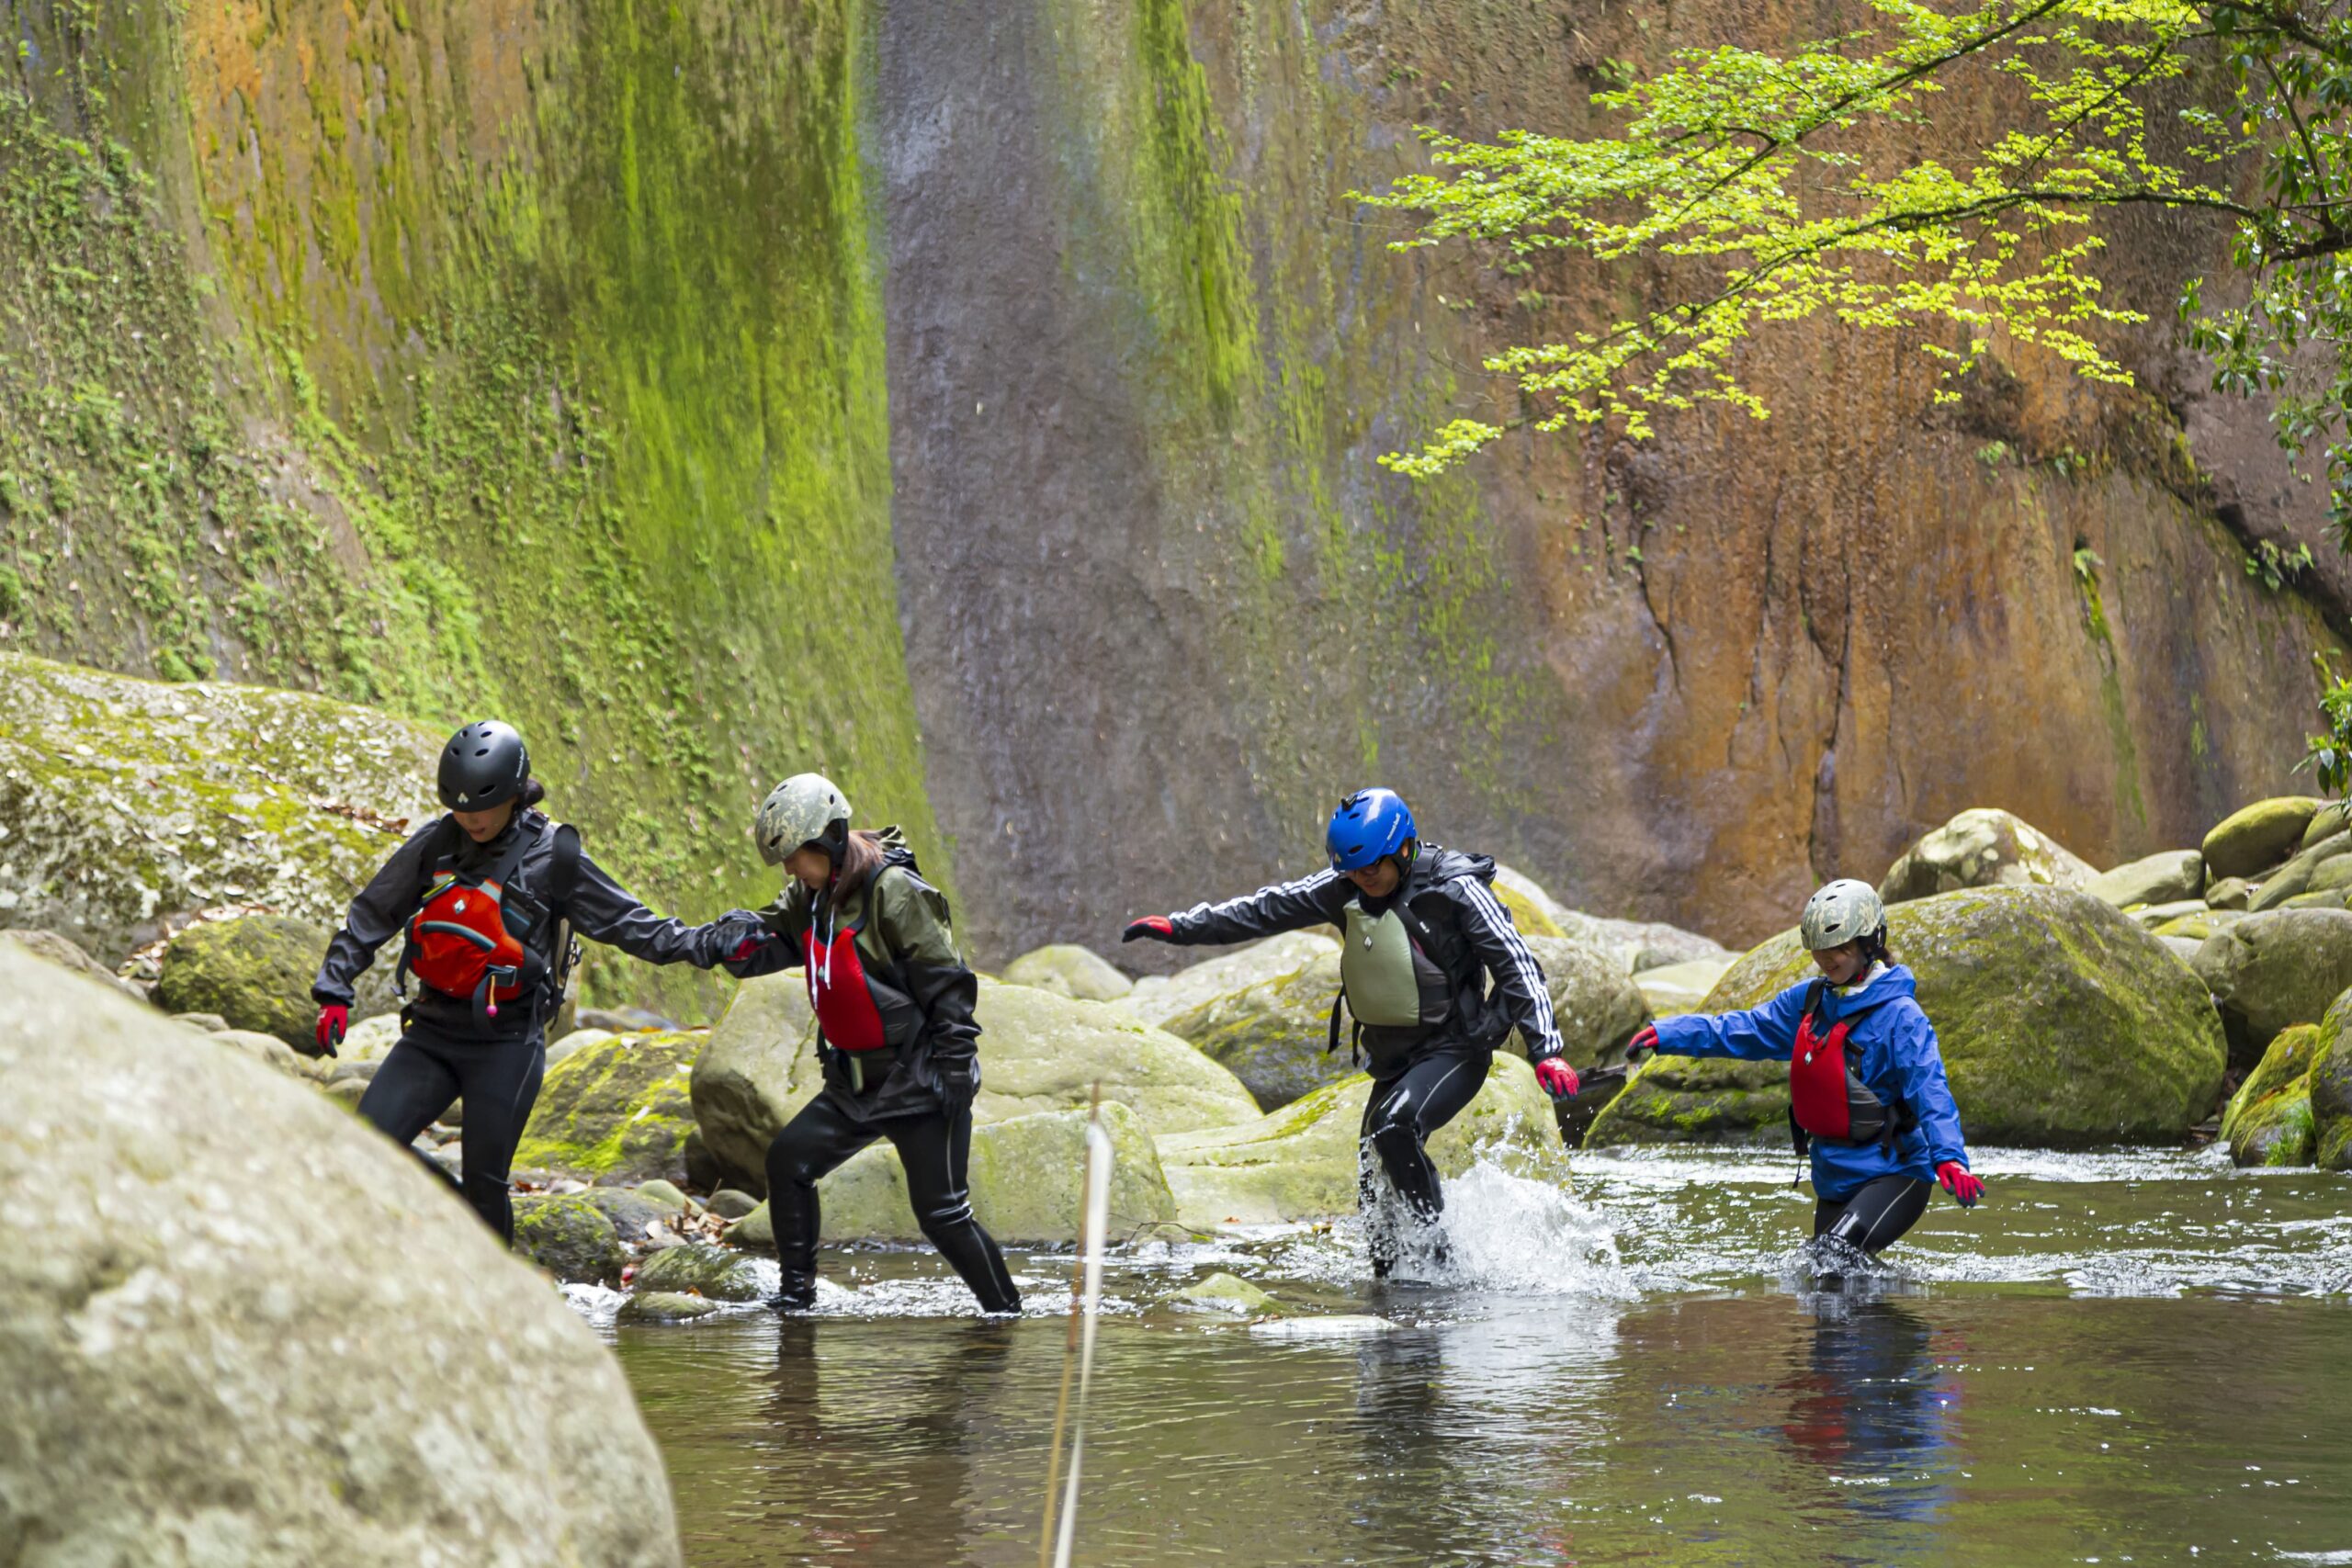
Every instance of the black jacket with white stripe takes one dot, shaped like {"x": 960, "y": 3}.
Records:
{"x": 1456, "y": 922}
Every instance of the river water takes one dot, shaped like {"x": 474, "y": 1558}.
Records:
{"x": 2129, "y": 1357}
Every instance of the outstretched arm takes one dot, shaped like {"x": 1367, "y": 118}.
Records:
{"x": 1767, "y": 1033}
{"x": 603, "y": 910}
{"x": 375, "y": 917}
{"x": 1282, "y": 907}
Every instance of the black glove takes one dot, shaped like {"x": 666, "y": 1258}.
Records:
{"x": 959, "y": 1083}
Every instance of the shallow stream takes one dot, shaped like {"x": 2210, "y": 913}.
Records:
{"x": 2136, "y": 1357}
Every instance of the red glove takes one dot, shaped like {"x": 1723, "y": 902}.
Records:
{"x": 333, "y": 1020}
{"x": 1160, "y": 927}
{"x": 1559, "y": 1078}
{"x": 1647, "y": 1041}
{"x": 1958, "y": 1183}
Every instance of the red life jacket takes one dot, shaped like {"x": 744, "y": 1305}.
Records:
{"x": 1827, "y": 1099}
{"x": 463, "y": 941}
{"x": 838, "y": 989}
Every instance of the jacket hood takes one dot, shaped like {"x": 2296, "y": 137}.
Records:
{"x": 1897, "y": 982}
{"x": 1440, "y": 864}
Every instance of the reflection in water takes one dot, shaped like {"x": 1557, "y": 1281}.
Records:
{"x": 1629, "y": 1377}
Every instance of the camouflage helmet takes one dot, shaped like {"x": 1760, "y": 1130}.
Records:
{"x": 1839, "y": 912}
{"x": 803, "y": 809}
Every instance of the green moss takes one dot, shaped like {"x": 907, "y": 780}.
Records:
{"x": 618, "y": 1109}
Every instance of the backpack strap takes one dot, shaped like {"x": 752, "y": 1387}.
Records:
{"x": 1798, "y": 1136}
{"x": 563, "y": 881}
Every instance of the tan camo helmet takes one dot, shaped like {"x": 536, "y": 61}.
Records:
{"x": 802, "y": 809}
{"x": 1839, "y": 912}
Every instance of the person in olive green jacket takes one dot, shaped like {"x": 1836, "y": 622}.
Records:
{"x": 896, "y": 1035}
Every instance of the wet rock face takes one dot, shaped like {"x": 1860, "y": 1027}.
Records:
{"x": 182, "y": 1312}
{"x": 123, "y": 801}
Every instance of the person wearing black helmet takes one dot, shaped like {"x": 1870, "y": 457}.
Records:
{"x": 486, "y": 900}
{"x": 1424, "y": 938}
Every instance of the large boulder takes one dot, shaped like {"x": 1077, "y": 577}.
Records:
{"x": 2255, "y": 838}
{"x": 256, "y": 971}
{"x": 1028, "y": 1183}
{"x": 618, "y": 1111}
{"x": 570, "y": 1237}
{"x": 1672, "y": 988}
{"x": 2295, "y": 878}
{"x": 2272, "y": 970}
{"x": 67, "y": 953}
{"x": 1158, "y": 999}
{"x": 1636, "y": 944}
{"x": 2060, "y": 1021}
{"x": 2268, "y": 1121}
{"x": 218, "y": 1308}
{"x": 1068, "y": 970}
{"x": 2329, "y": 1087}
{"x": 1038, "y": 1051}
{"x": 756, "y": 1071}
{"x": 2166, "y": 877}
{"x": 1299, "y": 1163}
{"x": 1273, "y": 1036}
{"x": 123, "y": 801}
{"x": 1596, "y": 1003}
{"x": 1983, "y": 848}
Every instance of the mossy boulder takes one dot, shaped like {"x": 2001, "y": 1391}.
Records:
{"x": 235, "y": 1313}
{"x": 2329, "y": 1086}
{"x": 1156, "y": 998}
{"x": 2333, "y": 818}
{"x": 664, "y": 1306}
{"x": 2166, "y": 877}
{"x": 2272, "y": 970}
{"x": 1983, "y": 848}
{"x": 755, "y": 1074}
{"x": 1596, "y": 1003}
{"x": 2060, "y": 1021}
{"x": 1028, "y": 1182}
{"x": 570, "y": 1237}
{"x": 123, "y": 801}
{"x": 1635, "y": 944}
{"x": 1530, "y": 907}
{"x": 2231, "y": 894}
{"x": 2294, "y": 878}
{"x": 1068, "y": 970}
{"x": 700, "y": 1268}
{"x": 2268, "y": 1120}
{"x": 618, "y": 1111}
{"x": 255, "y": 972}
{"x": 2197, "y": 925}
{"x": 67, "y": 953}
{"x": 1299, "y": 1163}
{"x": 1672, "y": 988}
{"x": 1272, "y": 1034}
{"x": 2255, "y": 838}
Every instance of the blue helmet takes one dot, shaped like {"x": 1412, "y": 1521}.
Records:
{"x": 1370, "y": 825}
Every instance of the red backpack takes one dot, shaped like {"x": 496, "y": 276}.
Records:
{"x": 466, "y": 938}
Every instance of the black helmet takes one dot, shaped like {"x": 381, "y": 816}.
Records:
{"x": 483, "y": 764}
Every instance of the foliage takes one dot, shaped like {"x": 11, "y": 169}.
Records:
{"x": 1777, "y": 188}
{"x": 2329, "y": 756}
{"x": 2275, "y": 567}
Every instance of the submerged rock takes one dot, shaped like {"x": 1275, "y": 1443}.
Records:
{"x": 255, "y": 972}
{"x": 2272, "y": 970}
{"x": 1983, "y": 848}
{"x": 2166, "y": 877}
{"x": 2060, "y": 1021}
{"x": 1068, "y": 970}
{"x": 218, "y": 1311}
{"x": 181, "y": 797}
{"x": 701, "y": 1270}
{"x": 2255, "y": 838}
{"x": 2268, "y": 1121}
{"x": 1225, "y": 1292}
{"x": 1027, "y": 1183}
{"x": 617, "y": 1112}
{"x": 1157, "y": 999}
{"x": 570, "y": 1237}
{"x": 664, "y": 1306}
{"x": 1299, "y": 1163}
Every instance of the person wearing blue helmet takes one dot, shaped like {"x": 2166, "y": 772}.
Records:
{"x": 1431, "y": 970}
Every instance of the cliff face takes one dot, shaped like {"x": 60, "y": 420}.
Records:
{"x": 980, "y": 403}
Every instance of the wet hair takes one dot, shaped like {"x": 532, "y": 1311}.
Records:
{"x": 860, "y": 858}
{"x": 533, "y": 792}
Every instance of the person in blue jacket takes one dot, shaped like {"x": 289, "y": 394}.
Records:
{"x": 1866, "y": 1081}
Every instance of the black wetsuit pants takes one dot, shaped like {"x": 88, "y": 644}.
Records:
{"x": 1876, "y": 1214}
{"x": 498, "y": 1079}
{"x": 933, "y": 1146}
{"x": 1397, "y": 1121}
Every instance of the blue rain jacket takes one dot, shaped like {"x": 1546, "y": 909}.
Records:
{"x": 1891, "y": 1048}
